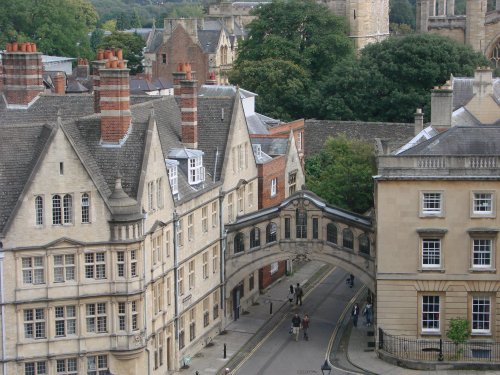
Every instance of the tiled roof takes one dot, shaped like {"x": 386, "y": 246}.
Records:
{"x": 209, "y": 40}
{"x": 461, "y": 140}
{"x": 394, "y": 135}
{"x": 47, "y": 108}
{"x": 214, "y": 121}
{"x": 154, "y": 41}
{"x": 21, "y": 147}
{"x": 272, "y": 146}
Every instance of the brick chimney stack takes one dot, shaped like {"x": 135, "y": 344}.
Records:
{"x": 114, "y": 102}
{"x": 97, "y": 65}
{"x": 178, "y": 76}
{"x": 189, "y": 109}
{"x": 59, "y": 81}
{"x": 23, "y": 82}
{"x": 211, "y": 79}
{"x": 82, "y": 69}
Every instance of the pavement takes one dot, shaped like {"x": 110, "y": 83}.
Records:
{"x": 244, "y": 334}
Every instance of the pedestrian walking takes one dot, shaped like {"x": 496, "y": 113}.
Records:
{"x": 298, "y": 294}
{"x": 305, "y": 326}
{"x": 291, "y": 294}
{"x": 355, "y": 314}
{"x": 368, "y": 313}
{"x": 351, "y": 280}
{"x": 296, "y": 321}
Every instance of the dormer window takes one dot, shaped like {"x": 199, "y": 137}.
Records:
{"x": 196, "y": 170}
{"x": 173, "y": 175}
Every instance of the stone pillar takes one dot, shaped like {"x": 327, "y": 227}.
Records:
{"x": 483, "y": 82}
{"x": 441, "y": 106}
{"x": 423, "y": 9}
{"x": 419, "y": 121}
{"x": 450, "y": 7}
{"x": 475, "y": 28}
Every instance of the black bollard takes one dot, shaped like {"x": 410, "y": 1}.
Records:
{"x": 224, "y": 351}
{"x": 196, "y": 373}
{"x": 270, "y": 307}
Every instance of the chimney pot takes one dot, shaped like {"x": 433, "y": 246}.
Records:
{"x": 14, "y": 47}
{"x": 9, "y": 47}
{"x": 119, "y": 54}
{"x": 33, "y": 47}
{"x": 23, "y": 47}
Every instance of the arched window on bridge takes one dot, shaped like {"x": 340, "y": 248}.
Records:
{"x": 255, "y": 237}
{"x": 347, "y": 239}
{"x": 301, "y": 220}
{"x": 331, "y": 233}
{"x": 239, "y": 243}
{"x": 364, "y": 244}
{"x": 271, "y": 230}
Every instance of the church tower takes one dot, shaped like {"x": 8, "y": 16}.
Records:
{"x": 368, "y": 19}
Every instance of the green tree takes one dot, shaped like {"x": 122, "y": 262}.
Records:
{"x": 96, "y": 38}
{"x": 270, "y": 77}
{"x": 301, "y": 37}
{"x": 59, "y": 27}
{"x": 131, "y": 44}
{"x": 458, "y": 332}
{"x": 393, "y": 78}
{"x": 401, "y": 12}
{"x": 109, "y": 25}
{"x": 342, "y": 173}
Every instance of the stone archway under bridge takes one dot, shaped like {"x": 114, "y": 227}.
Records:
{"x": 303, "y": 226}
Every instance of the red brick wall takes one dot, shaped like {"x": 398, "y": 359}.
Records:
{"x": 23, "y": 76}
{"x": 179, "y": 49}
{"x": 265, "y": 277}
{"x": 266, "y": 172}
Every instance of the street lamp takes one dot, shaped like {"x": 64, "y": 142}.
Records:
{"x": 326, "y": 369}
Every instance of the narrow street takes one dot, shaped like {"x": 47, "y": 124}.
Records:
{"x": 279, "y": 353}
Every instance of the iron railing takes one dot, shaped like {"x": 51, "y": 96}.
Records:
{"x": 438, "y": 349}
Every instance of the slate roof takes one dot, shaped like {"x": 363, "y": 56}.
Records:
{"x": 21, "y": 147}
{"x": 154, "y": 40}
{"x": 272, "y": 146}
{"x": 162, "y": 83}
{"x": 46, "y": 109}
{"x": 214, "y": 122}
{"x": 463, "y": 90}
{"x": 461, "y": 140}
{"x": 393, "y": 135}
{"x": 209, "y": 40}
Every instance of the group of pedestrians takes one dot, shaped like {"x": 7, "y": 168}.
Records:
{"x": 296, "y": 293}
{"x": 367, "y": 313}
{"x": 299, "y": 323}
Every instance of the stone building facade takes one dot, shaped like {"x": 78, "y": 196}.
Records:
{"x": 437, "y": 235}
{"x": 112, "y": 221}
{"x": 479, "y": 27}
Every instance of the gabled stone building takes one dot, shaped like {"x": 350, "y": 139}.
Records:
{"x": 111, "y": 220}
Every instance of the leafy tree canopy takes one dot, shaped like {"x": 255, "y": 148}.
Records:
{"x": 458, "y": 331}
{"x": 401, "y": 12}
{"x": 131, "y": 44}
{"x": 342, "y": 173}
{"x": 393, "y": 78}
{"x": 290, "y": 46}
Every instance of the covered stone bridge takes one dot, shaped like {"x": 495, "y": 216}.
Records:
{"x": 303, "y": 226}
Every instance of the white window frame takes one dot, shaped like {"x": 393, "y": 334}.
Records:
{"x": 35, "y": 326}
{"x": 205, "y": 265}
{"x": 204, "y": 219}
{"x": 215, "y": 259}
{"x": 65, "y": 315}
{"x": 215, "y": 214}
{"x": 483, "y": 204}
{"x": 67, "y": 213}
{"x": 39, "y": 212}
{"x": 428, "y": 308}
{"x": 133, "y": 264}
{"x": 190, "y": 228}
{"x": 67, "y": 366}
{"x": 122, "y": 316}
{"x": 159, "y": 192}
{"x": 64, "y": 268}
{"x": 191, "y": 275}
{"x": 274, "y": 267}
{"x": 476, "y": 305}
{"x": 429, "y": 251}
{"x": 96, "y": 318}
{"x": 479, "y": 246}
{"x": 151, "y": 196}
{"x": 196, "y": 171}
{"x": 85, "y": 202}
{"x": 33, "y": 270}
{"x": 95, "y": 265}
{"x": 173, "y": 178}
{"x": 97, "y": 364}
{"x": 432, "y": 203}
{"x": 274, "y": 187}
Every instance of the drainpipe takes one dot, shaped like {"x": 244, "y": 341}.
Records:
{"x": 223, "y": 235}
{"x": 2, "y": 301}
{"x": 176, "y": 292}
{"x": 145, "y": 304}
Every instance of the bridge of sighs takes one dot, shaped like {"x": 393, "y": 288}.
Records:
{"x": 302, "y": 226}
